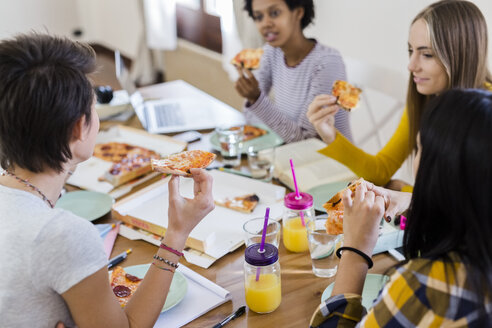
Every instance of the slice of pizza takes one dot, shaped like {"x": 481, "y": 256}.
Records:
{"x": 251, "y": 132}
{"x": 123, "y": 285}
{"x": 129, "y": 162}
{"x": 245, "y": 204}
{"x": 181, "y": 163}
{"x": 248, "y": 58}
{"x": 334, "y": 208}
{"x": 347, "y": 95}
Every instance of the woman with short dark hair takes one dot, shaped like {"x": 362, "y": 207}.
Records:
{"x": 53, "y": 263}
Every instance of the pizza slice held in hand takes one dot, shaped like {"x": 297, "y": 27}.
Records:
{"x": 347, "y": 95}
{"x": 181, "y": 163}
{"x": 248, "y": 58}
{"x": 245, "y": 204}
{"x": 123, "y": 285}
{"x": 334, "y": 208}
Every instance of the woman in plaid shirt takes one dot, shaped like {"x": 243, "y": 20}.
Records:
{"x": 447, "y": 279}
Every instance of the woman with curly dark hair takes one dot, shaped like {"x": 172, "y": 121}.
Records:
{"x": 293, "y": 70}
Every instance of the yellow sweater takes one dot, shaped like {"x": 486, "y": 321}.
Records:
{"x": 377, "y": 168}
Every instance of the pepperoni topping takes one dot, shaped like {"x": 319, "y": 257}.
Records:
{"x": 128, "y": 147}
{"x": 115, "y": 171}
{"x": 106, "y": 147}
{"x": 121, "y": 291}
{"x": 132, "y": 278}
{"x": 252, "y": 198}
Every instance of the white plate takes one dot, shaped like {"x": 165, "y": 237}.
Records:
{"x": 177, "y": 291}
{"x": 373, "y": 284}
{"x": 90, "y": 205}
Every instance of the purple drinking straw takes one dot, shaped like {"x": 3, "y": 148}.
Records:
{"x": 263, "y": 237}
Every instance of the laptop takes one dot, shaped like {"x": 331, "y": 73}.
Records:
{"x": 185, "y": 107}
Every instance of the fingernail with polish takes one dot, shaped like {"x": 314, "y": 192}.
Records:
{"x": 388, "y": 219}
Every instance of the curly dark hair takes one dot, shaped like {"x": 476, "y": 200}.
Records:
{"x": 308, "y": 6}
{"x": 44, "y": 91}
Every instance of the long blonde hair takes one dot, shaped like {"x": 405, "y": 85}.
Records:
{"x": 458, "y": 34}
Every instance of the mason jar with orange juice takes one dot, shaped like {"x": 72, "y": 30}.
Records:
{"x": 262, "y": 278}
{"x": 297, "y": 211}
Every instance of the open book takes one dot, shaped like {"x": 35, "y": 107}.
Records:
{"x": 312, "y": 169}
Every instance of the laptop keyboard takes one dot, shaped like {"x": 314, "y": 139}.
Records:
{"x": 168, "y": 115}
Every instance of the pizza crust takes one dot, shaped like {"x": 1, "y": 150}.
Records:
{"x": 181, "y": 163}
{"x": 334, "y": 208}
{"x": 248, "y": 58}
{"x": 347, "y": 95}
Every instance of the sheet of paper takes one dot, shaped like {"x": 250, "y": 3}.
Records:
{"x": 202, "y": 296}
{"x": 222, "y": 229}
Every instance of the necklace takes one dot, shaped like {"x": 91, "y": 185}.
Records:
{"x": 30, "y": 185}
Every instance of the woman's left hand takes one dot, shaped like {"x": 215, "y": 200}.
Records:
{"x": 361, "y": 218}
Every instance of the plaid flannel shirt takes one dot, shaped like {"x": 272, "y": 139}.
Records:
{"x": 421, "y": 293}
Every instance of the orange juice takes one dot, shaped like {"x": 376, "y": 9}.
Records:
{"x": 295, "y": 235}
{"x": 264, "y": 295}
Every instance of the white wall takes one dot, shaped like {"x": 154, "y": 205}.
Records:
{"x": 113, "y": 23}
{"x": 54, "y": 16}
{"x": 375, "y": 31}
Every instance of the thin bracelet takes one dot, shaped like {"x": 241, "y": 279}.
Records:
{"x": 355, "y": 250}
{"x": 172, "y": 250}
{"x": 157, "y": 257}
{"x": 165, "y": 269}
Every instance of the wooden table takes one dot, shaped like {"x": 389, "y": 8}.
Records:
{"x": 301, "y": 289}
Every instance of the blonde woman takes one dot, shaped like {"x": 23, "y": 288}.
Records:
{"x": 447, "y": 48}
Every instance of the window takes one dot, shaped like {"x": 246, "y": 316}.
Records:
{"x": 198, "y": 22}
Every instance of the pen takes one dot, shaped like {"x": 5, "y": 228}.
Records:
{"x": 117, "y": 259}
{"x": 239, "y": 312}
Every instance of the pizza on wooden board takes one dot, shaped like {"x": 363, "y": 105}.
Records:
{"x": 245, "y": 204}
{"x": 129, "y": 162}
{"x": 347, "y": 95}
{"x": 123, "y": 285}
{"x": 334, "y": 208}
{"x": 248, "y": 58}
{"x": 181, "y": 163}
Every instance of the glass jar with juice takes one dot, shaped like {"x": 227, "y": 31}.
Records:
{"x": 294, "y": 232}
{"x": 262, "y": 278}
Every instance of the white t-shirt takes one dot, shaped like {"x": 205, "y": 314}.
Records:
{"x": 43, "y": 253}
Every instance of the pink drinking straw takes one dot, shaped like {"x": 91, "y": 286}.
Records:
{"x": 298, "y": 196}
{"x": 263, "y": 237}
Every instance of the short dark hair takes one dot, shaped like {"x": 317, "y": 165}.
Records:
{"x": 308, "y": 6}
{"x": 451, "y": 209}
{"x": 44, "y": 91}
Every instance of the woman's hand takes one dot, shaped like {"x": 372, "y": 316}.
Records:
{"x": 396, "y": 202}
{"x": 361, "y": 218}
{"x": 247, "y": 85}
{"x": 321, "y": 113}
{"x": 185, "y": 213}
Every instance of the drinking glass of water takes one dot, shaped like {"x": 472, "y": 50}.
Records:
{"x": 261, "y": 163}
{"x": 322, "y": 247}
{"x": 230, "y": 139}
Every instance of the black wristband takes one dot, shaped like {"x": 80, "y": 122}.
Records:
{"x": 355, "y": 250}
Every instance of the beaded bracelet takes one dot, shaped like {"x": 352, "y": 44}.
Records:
{"x": 172, "y": 250}
{"x": 165, "y": 269}
{"x": 355, "y": 250}
{"x": 157, "y": 257}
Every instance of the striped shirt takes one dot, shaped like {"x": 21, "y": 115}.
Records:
{"x": 421, "y": 293}
{"x": 286, "y": 92}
